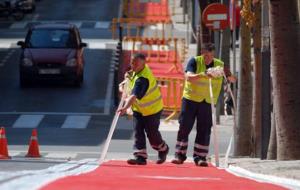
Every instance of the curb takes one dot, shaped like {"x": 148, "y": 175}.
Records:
{"x": 285, "y": 182}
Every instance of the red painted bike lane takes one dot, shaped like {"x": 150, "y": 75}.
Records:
{"x": 117, "y": 175}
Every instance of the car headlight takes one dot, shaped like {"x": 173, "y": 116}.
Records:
{"x": 27, "y": 62}
{"x": 71, "y": 62}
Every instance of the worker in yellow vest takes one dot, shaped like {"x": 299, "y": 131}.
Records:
{"x": 146, "y": 103}
{"x": 196, "y": 105}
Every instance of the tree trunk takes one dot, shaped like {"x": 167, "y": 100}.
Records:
{"x": 272, "y": 150}
{"x": 285, "y": 48}
{"x": 244, "y": 99}
{"x": 299, "y": 8}
{"x": 256, "y": 114}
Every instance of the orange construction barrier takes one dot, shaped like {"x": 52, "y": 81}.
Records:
{"x": 146, "y": 10}
{"x": 160, "y": 62}
{"x": 33, "y": 150}
{"x": 171, "y": 88}
{"x": 130, "y": 24}
{"x": 163, "y": 55}
{"x": 158, "y": 46}
{"x": 3, "y": 145}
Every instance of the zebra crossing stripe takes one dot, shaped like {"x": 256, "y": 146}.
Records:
{"x": 77, "y": 122}
{"x": 18, "y": 25}
{"x": 79, "y": 24}
{"x": 102, "y": 24}
{"x": 28, "y": 121}
{"x": 92, "y": 43}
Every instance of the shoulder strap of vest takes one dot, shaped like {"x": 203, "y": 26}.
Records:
{"x": 218, "y": 62}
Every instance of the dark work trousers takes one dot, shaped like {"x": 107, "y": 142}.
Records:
{"x": 190, "y": 111}
{"x": 147, "y": 125}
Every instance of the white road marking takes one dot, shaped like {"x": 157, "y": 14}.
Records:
{"x": 28, "y": 121}
{"x": 22, "y": 180}
{"x": 52, "y": 113}
{"x": 182, "y": 178}
{"x": 102, "y": 24}
{"x": 76, "y": 122}
{"x": 78, "y": 24}
{"x": 13, "y": 154}
{"x": 61, "y": 155}
{"x": 8, "y": 43}
{"x": 18, "y": 25}
{"x": 100, "y": 43}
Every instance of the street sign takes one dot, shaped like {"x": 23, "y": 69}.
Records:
{"x": 215, "y": 16}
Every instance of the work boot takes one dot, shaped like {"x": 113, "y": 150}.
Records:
{"x": 162, "y": 155}
{"x": 201, "y": 162}
{"x": 137, "y": 161}
{"x": 177, "y": 161}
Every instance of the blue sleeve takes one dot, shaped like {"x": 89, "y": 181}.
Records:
{"x": 191, "y": 66}
{"x": 140, "y": 87}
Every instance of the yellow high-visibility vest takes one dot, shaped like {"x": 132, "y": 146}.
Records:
{"x": 151, "y": 103}
{"x": 199, "y": 90}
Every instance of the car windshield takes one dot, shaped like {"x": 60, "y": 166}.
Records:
{"x": 51, "y": 38}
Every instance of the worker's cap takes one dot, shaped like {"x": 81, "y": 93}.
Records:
{"x": 139, "y": 56}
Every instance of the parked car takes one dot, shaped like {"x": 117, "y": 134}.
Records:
{"x": 52, "y": 51}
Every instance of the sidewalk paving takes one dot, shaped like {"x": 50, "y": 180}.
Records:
{"x": 286, "y": 173}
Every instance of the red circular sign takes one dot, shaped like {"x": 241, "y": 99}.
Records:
{"x": 215, "y": 16}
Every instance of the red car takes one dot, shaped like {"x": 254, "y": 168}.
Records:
{"x": 52, "y": 51}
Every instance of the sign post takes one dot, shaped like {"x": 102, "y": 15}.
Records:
{"x": 215, "y": 17}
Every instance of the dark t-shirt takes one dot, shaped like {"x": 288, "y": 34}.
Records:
{"x": 192, "y": 66}
{"x": 140, "y": 87}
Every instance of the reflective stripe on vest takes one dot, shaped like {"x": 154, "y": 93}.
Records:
{"x": 152, "y": 90}
{"x": 151, "y": 103}
{"x": 199, "y": 90}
